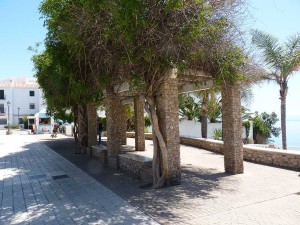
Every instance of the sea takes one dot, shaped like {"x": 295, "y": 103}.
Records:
{"x": 292, "y": 133}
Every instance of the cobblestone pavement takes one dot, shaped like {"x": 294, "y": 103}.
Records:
{"x": 262, "y": 195}
{"x": 38, "y": 186}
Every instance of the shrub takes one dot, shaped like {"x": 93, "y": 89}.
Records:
{"x": 217, "y": 134}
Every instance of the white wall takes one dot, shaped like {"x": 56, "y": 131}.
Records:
{"x": 20, "y": 98}
{"x": 191, "y": 128}
{"x": 8, "y": 97}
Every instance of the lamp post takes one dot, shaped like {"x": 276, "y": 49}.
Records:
{"x": 8, "y": 130}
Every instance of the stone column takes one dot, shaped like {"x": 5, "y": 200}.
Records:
{"x": 139, "y": 123}
{"x": 92, "y": 124}
{"x": 82, "y": 128}
{"x": 232, "y": 128}
{"x": 115, "y": 128}
{"x": 123, "y": 126}
{"x": 167, "y": 110}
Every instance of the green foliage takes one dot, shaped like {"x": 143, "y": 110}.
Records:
{"x": 188, "y": 108}
{"x": 12, "y": 126}
{"x": 90, "y": 42}
{"x": 217, "y": 134}
{"x": 25, "y": 121}
{"x": 147, "y": 121}
{"x": 246, "y": 124}
{"x": 263, "y": 125}
{"x": 214, "y": 108}
{"x": 282, "y": 60}
{"x": 129, "y": 116}
{"x": 67, "y": 116}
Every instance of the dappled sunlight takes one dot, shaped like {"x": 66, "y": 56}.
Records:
{"x": 34, "y": 213}
{"x": 9, "y": 173}
{"x": 9, "y": 150}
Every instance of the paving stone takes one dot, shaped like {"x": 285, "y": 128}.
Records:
{"x": 41, "y": 187}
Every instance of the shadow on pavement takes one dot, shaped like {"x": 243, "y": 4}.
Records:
{"x": 157, "y": 203}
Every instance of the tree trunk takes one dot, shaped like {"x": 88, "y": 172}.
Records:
{"x": 204, "y": 110}
{"x": 75, "y": 128}
{"x": 82, "y": 128}
{"x": 283, "y": 93}
{"x": 160, "y": 155}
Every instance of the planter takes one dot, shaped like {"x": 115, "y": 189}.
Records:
{"x": 8, "y": 132}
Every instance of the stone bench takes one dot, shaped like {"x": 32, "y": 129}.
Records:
{"x": 100, "y": 152}
{"x": 133, "y": 163}
{"x": 127, "y": 148}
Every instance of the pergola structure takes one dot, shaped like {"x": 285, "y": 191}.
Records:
{"x": 167, "y": 107}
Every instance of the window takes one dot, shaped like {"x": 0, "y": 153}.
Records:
{"x": 1, "y": 108}
{"x": 2, "y": 94}
{"x": 31, "y": 93}
{"x": 3, "y": 121}
{"x": 31, "y": 106}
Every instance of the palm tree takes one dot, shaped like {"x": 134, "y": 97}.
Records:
{"x": 188, "y": 108}
{"x": 283, "y": 61}
{"x": 210, "y": 107}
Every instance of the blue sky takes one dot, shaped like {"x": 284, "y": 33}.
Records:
{"x": 280, "y": 18}
{"x": 20, "y": 27}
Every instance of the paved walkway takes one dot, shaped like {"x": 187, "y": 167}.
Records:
{"x": 38, "y": 186}
{"x": 207, "y": 195}
{"x": 262, "y": 195}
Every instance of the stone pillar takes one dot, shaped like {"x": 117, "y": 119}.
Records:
{"x": 167, "y": 110}
{"x": 123, "y": 126}
{"x": 92, "y": 124}
{"x": 139, "y": 123}
{"x": 115, "y": 128}
{"x": 82, "y": 128}
{"x": 232, "y": 128}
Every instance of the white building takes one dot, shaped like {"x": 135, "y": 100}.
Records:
{"x": 19, "y": 97}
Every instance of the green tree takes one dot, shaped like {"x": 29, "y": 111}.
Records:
{"x": 188, "y": 108}
{"x": 282, "y": 61}
{"x": 210, "y": 107}
{"x": 214, "y": 108}
{"x": 139, "y": 41}
{"x": 67, "y": 79}
{"x": 263, "y": 127}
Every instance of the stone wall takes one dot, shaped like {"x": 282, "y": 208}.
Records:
{"x": 282, "y": 158}
{"x": 132, "y": 163}
{"x": 211, "y": 145}
{"x": 148, "y": 136}
{"x": 100, "y": 152}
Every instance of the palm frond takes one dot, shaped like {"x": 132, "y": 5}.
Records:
{"x": 292, "y": 57}
{"x": 272, "y": 52}
{"x": 293, "y": 64}
{"x": 247, "y": 95}
{"x": 293, "y": 44}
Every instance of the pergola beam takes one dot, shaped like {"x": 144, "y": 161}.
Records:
{"x": 190, "y": 87}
